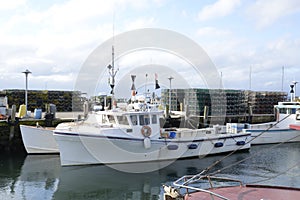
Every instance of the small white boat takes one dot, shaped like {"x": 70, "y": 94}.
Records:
{"x": 288, "y": 113}
{"x": 38, "y": 140}
{"x": 116, "y": 136}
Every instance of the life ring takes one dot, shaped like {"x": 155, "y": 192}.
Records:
{"x": 146, "y": 131}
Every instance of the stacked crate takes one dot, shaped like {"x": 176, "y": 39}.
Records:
{"x": 228, "y": 102}
{"x": 65, "y": 101}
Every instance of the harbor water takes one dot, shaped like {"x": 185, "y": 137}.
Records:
{"x": 42, "y": 177}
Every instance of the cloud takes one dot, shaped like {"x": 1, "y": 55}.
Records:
{"x": 220, "y": 8}
{"x": 212, "y": 32}
{"x": 265, "y": 13}
{"x": 140, "y": 23}
{"x": 11, "y": 4}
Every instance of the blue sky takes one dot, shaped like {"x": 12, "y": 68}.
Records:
{"x": 53, "y": 38}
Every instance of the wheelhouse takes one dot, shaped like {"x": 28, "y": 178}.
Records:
{"x": 288, "y": 108}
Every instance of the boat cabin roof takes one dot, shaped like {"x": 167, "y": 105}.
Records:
{"x": 119, "y": 113}
{"x": 291, "y": 104}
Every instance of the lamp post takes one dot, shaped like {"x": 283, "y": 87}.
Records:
{"x": 26, "y": 72}
{"x": 170, "y": 79}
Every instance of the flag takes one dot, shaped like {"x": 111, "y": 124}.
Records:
{"x": 133, "y": 78}
{"x": 156, "y": 82}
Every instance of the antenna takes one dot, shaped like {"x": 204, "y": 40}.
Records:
{"x": 146, "y": 85}
{"x": 112, "y": 72}
{"x": 221, "y": 74}
{"x": 111, "y": 67}
{"x": 113, "y": 31}
{"x": 250, "y": 73}
{"x": 282, "y": 78}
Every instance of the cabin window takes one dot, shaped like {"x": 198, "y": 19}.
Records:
{"x": 154, "y": 119}
{"x": 105, "y": 119}
{"x": 282, "y": 111}
{"x": 147, "y": 119}
{"x": 144, "y": 120}
{"x": 133, "y": 119}
{"x": 122, "y": 120}
{"x": 111, "y": 119}
{"x": 298, "y": 114}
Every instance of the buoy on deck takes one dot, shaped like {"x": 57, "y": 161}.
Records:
{"x": 172, "y": 135}
{"x": 147, "y": 143}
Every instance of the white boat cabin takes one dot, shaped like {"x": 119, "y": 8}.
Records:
{"x": 137, "y": 124}
{"x": 290, "y": 110}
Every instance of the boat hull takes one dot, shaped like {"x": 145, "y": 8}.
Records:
{"x": 273, "y": 136}
{"x": 38, "y": 140}
{"x": 81, "y": 149}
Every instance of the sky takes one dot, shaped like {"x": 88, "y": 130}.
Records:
{"x": 53, "y": 39}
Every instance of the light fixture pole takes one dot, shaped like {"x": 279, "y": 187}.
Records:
{"x": 26, "y": 72}
{"x": 170, "y": 79}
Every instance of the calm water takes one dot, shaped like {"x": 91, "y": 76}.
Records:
{"x": 42, "y": 177}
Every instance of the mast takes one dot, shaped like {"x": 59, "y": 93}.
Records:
{"x": 250, "y": 77}
{"x": 282, "y": 78}
{"x": 112, "y": 73}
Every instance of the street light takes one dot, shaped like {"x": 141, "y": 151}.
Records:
{"x": 170, "y": 79}
{"x": 26, "y": 72}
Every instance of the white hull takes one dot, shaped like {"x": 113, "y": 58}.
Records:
{"x": 38, "y": 140}
{"x": 279, "y": 131}
{"x": 274, "y": 136}
{"x": 82, "y": 149}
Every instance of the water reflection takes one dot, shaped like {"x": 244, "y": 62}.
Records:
{"x": 9, "y": 172}
{"x": 42, "y": 177}
{"x": 39, "y": 176}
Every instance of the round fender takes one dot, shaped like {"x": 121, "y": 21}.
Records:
{"x": 147, "y": 143}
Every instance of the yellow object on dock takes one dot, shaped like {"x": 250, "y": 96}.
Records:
{"x": 22, "y": 111}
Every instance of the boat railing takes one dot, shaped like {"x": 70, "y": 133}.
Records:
{"x": 187, "y": 181}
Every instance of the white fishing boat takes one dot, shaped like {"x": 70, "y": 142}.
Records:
{"x": 116, "y": 136}
{"x": 38, "y": 139}
{"x": 135, "y": 135}
{"x": 288, "y": 113}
